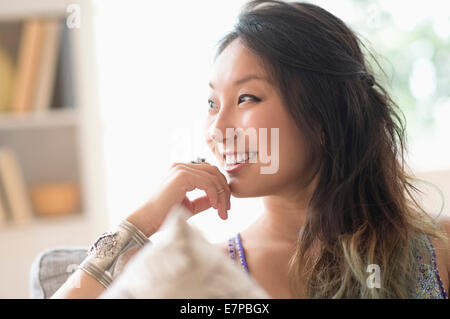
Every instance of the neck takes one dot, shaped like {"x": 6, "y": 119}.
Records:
{"x": 285, "y": 214}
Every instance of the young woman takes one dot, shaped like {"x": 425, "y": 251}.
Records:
{"x": 341, "y": 202}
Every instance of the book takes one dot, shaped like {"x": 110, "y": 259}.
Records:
{"x": 27, "y": 65}
{"x": 47, "y": 65}
{"x": 14, "y": 186}
{"x": 6, "y": 76}
{"x": 4, "y": 204}
{"x": 64, "y": 94}
{"x": 3, "y": 214}
{"x": 55, "y": 198}
{"x": 9, "y": 46}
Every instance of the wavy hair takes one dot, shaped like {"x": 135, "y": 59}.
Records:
{"x": 363, "y": 210}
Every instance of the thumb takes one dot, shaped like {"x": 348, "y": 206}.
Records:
{"x": 197, "y": 205}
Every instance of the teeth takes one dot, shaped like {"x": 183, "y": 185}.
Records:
{"x": 252, "y": 155}
{"x": 242, "y": 157}
{"x": 230, "y": 159}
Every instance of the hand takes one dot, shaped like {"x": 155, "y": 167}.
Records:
{"x": 183, "y": 178}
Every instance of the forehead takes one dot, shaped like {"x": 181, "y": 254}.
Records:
{"x": 235, "y": 62}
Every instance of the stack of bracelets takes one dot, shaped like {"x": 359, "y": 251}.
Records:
{"x": 104, "y": 256}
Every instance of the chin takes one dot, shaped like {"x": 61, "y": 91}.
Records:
{"x": 240, "y": 191}
{"x": 246, "y": 185}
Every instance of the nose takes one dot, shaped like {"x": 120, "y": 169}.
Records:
{"x": 222, "y": 127}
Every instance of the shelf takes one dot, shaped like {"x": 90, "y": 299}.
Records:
{"x": 57, "y": 144}
{"x": 42, "y": 224}
{"x": 38, "y": 120}
{"x": 18, "y": 9}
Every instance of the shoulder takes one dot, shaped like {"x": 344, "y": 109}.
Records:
{"x": 442, "y": 249}
{"x": 444, "y": 224}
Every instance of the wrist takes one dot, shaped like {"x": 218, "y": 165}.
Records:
{"x": 109, "y": 253}
{"x": 143, "y": 220}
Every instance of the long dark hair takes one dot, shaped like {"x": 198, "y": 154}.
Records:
{"x": 363, "y": 211}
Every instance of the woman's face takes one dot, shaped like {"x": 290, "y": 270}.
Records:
{"x": 241, "y": 97}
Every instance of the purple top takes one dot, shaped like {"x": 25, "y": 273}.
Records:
{"x": 429, "y": 284}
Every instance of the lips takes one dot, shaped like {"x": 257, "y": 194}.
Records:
{"x": 234, "y": 162}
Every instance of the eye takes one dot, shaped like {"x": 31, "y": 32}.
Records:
{"x": 245, "y": 97}
{"x": 211, "y": 105}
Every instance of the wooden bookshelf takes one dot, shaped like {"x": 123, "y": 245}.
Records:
{"x": 58, "y": 144}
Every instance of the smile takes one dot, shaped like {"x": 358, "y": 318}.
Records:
{"x": 235, "y": 162}
{"x": 234, "y": 158}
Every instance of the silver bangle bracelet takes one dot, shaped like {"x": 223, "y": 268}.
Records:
{"x": 104, "y": 256}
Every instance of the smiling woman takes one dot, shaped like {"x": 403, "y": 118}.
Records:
{"x": 341, "y": 201}
{"x": 341, "y": 195}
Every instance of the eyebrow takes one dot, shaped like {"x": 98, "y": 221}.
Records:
{"x": 244, "y": 79}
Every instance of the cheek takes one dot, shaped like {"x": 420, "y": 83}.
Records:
{"x": 291, "y": 146}
{"x": 291, "y": 158}
{"x": 208, "y": 132}
{"x": 289, "y": 139}
{"x": 257, "y": 118}
{"x": 292, "y": 155}
{"x": 291, "y": 152}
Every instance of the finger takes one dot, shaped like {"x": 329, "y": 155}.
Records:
{"x": 203, "y": 180}
{"x": 197, "y": 205}
{"x": 223, "y": 188}
{"x": 207, "y": 166}
{"x": 220, "y": 180}
{"x": 223, "y": 214}
{"x": 221, "y": 191}
{"x": 200, "y": 204}
{"x": 214, "y": 170}
{"x": 224, "y": 199}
